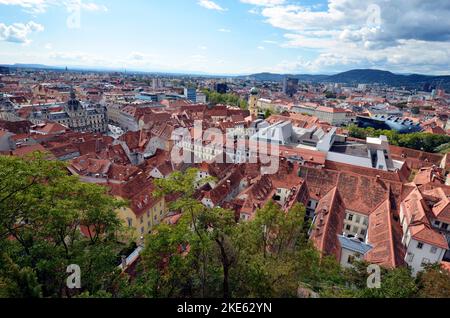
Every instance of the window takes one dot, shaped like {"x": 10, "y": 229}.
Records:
{"x": 148, "y": 214}
{"x": 425, "y": 262}
{"x": 309, "y": 204}
{"x": 142, "y": 220}
{"x": 433, "y": 250}
{"x": 366, "y": 221}
{"x": 350, "y": 217}
{"x": 142, "y": 230}
{"x": 348, "y": 227}
{"x": 130, "y": 222}
{"x": 419, "y": 245}
{"x": 445, "y": 226}
{"x": 351, "y": 259}
{"x": 437, "y": 223}
{"x": 363, "y": 232}
{"x": 358, "y": 219}
{"x": 410, "y": 257}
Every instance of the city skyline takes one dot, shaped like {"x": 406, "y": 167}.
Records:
{"x": 232, "y": 37}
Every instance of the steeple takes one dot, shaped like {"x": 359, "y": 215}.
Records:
{"x": 73, "y": 103}
{"x": 72, "y": 94}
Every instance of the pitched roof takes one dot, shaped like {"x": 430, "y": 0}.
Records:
{"x": 417, "y": 211}
{"x": 26, "y": 150}
{"x": 425, "y": 234}
{"x": 360, "y": 193}
{"x": 329, "y": 224}
{"x": 386, "y": 249}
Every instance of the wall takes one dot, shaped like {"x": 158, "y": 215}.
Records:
{"x": 150, "y": 219}
{"x": 415, "y": 256}
{"x": 353, "y": 160}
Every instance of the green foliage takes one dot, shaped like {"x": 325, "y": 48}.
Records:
{"x": 41, "y": 211}
{"x": 267, "y": 113}
{"x": 18, "y": 282}
{"x": 215, "y": 98}
{"x": 415, "y": 110}
{"x": 207, "y": 254}
{"x": 418, "y": 141}
{"x": 445, "y": 148}
{"x": 395, "y": 283}
{"x": 434, "y": 282}
{"x": 330, "y": 95}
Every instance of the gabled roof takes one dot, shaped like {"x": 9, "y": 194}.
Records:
{"x": 225, "y": 186}
{"x": 418, "y": 210}
{"x": 387, "y": 250}
{"x": 360, "y": 193}
{"x": 27, "y": 150}
{"x": 329, "y": 224}
{"x": 425, "y": 234}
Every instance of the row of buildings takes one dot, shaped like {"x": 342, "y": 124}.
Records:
{"x": 366, "y": 198}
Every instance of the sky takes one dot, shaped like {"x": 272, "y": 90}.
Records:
{"x": 229, "y": 37}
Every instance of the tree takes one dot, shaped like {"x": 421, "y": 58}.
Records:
{"x": 418, "y": 141}
{"x": 16, "y": 282}
{"x": 42, "y": 209}
{"x": 207, "y": 254}
{"x": 395, "y": 283}
{"x": 215, "y": 98}
{"x": 434, "y": 282}
{"x": 415, "y": 110}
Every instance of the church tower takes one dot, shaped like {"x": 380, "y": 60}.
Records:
{"x": 73, "y": 105}
{"x": 252, "y": 102}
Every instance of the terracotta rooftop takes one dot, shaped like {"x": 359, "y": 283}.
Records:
{"x": 418, "y": 208}
{"x": 329, "y": 224}
{"x": 382, "y": 235}
{"x": 360, "y": 193}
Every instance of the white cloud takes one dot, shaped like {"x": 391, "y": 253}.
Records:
{"x": 262, "y": 48}
{"x": 93, "y": 7}
{"x": 211, "y": 5}
{"x": 224, "y": 30}
{"x": 264, "y": 3}
{"x": 19, "y": 32}
{"x": 41, "y": 6}
{"x": 399, "y": 35}
{"x": 34, "y": 6}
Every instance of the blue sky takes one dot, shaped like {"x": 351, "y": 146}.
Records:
{"x": 229, "y": 36}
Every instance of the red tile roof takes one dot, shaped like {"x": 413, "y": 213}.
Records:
{"x": 386, "y": 248}
{"x": 329, "y": 224}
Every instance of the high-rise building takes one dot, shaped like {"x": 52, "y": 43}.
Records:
{"x": 190, "y": 94}
{"x": 156, "y": 83}
{"x": 290, "y": 86}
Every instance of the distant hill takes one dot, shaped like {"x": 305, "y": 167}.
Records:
{"x": 364, "y": 76}
{"x": 271, "y": 77}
